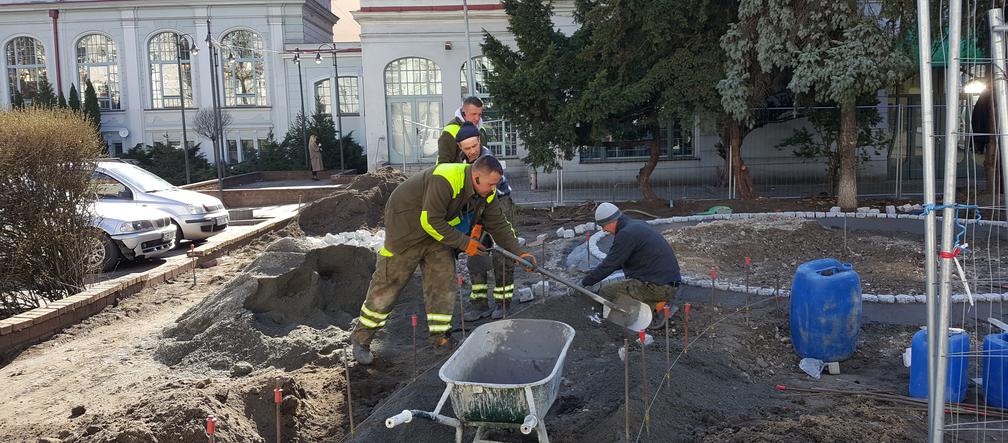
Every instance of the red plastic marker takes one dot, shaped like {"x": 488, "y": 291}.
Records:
{"x": 713, "y": 273}
{"x": 686, "y": 310}
{"x": 211, "y": 425}
{"x": 641, "y": 336}
{"x": 668, "y": 312}
{"x": 460, "y": 279}
{"x": 747, "y": 261}
{"x": 413, "y": 320}
{"x": 780, "y": 387}
{"x": 277, "y": 395}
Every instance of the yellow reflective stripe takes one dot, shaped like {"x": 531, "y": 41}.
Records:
{"x": 427, "y": 227}
{"x": 368, "y": 323}
{"x": 507, "y": 288}
{"x": 455, "y": 221}
{"x": 452, "y": 128}
{"x": 385, "y": 252}
{"x": 478, "y": 286}
{"x": 493, "y": 193}
{"x": 443, "y": 318}
{"x": 438, "y": 328}
{"x": 364, "y": 310}
{"x": 480, "y": 296}
{"x": 454, "y": 173}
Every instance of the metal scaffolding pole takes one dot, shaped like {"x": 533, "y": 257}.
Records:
{"x": 1000, "y": 90}
{"x": 937, "y": 395}
{"x": 927, "y": 132}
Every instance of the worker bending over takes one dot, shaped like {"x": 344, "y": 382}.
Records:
{"x": 647, "y": 260}
{"x": 420, "y": 219}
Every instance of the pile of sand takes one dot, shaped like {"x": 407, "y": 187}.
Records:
{"x": 360, "y": 205}
{"x": 291, "y": 307}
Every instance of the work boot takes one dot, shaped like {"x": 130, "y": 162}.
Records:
{"x": 441, "y": 342}
{"x": 361, "y": 352}
{"x": 476, "y": 309}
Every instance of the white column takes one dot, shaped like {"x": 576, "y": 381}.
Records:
{"x": 276, "y": 78}
{"x": 133, "y": 62}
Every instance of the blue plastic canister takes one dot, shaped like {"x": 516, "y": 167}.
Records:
{"x": 995, "y": 369}
{"x": 958, "y": 362}
{"x": 825, "y": 310}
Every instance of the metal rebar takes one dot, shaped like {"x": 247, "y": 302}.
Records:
{"x": 952, "y": 78}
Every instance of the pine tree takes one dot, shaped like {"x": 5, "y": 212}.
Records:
{"x": 62, "y": 103}
{"x": 45, "y": 98}
{"x": 74, "y": 101}
{"x": 18, "y": 101}
{"x": 91, "y": 109}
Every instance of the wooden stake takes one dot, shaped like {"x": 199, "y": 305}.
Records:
{"x": 644, "y": 383}
{"x": 686, "y": 310}
{"x": 192, "y": 250}
{"x": 668, "y": 352}
{"x": 626, "y": 389}
{"x": 277, "y": 398}
{"x": 413, "y": 321}
{"x": 349, "y": 401}
{"x": 713, "y": 281}
{"x": 461, "y": 313}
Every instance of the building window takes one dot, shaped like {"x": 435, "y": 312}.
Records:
{"x": 117, "y": 149}
{"x": 25, "y": 68}
{"x": 165, "y": 54}
{"x": 349, "y": 96}
{"x": 502, "y": 139}
{"x": 323, "y": 99}
{"x": 675, "y": 143}
{"x": 244, "y": 71}
{"x": 97, "y": 61}
{"x": 232, "y": 151}
{"x": 248, "y": 150}
{"x": 413, "y": 109}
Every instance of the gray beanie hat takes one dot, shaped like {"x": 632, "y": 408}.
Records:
{"x": 605, "y": 213}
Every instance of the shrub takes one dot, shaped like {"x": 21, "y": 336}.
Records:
{"x": 168, "y": 162}
{"x": 46, "y": 160}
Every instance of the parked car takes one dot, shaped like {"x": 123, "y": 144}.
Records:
{"x": 195, "y": 216}
{"x": 128, "y": 231}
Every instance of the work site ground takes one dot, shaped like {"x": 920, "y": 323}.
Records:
{"x": 156, "y": 365}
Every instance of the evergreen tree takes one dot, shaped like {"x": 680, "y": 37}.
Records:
{"x": 91, "y": 109}
{"x": 45, "y": 98}
{"x": 168, "y": 162}
{"x": 74, "y": 101}
{"x": 62, "y": 103}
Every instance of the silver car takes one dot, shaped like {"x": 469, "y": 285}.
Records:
{"x": 128, "y": 231}
{"x": 196, "y": 216}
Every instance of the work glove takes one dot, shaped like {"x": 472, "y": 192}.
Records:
{"x": 531, "y": 259}
{"x": 475, "y": 248}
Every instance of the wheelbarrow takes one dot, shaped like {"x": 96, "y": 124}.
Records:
{"x": 506, "y": 375}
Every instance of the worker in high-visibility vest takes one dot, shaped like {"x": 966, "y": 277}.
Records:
{"x": 420, "y": 219}
{"x": 467, "y": 138}
{"x": 472, "y": 112}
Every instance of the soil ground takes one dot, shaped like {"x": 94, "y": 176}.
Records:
{"x": 103, "y": 381}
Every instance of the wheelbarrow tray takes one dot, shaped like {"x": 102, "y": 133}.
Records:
{"x": 492, "y": 374}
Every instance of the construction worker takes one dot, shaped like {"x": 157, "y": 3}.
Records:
{"x": 420, "y": 219}
{"x": 472, "y": 112}
{"x": 467, "y": 139}
{"x": 648, "y": 262}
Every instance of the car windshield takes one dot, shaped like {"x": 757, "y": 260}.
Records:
{"x": 146, "y": 181}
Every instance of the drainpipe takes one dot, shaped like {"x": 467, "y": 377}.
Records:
{"x": 54, "y": 15}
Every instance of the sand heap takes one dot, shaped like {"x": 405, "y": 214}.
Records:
{"x": 291, "y": 307}
{"x": 360, "y": 205}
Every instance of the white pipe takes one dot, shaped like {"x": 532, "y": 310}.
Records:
{"x": 1000, "y": 92}
{"x": 948, "y": 200}
{"x": 927, "y": 132}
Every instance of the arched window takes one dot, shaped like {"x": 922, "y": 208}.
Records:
{"x": 25, "y": 67}
{"x": 244, "y": 72}
{"x": 97, "y": 61}
{"x": 322, "y": 96}
{"x": 502, "y": 139}
{"x": 165, "y": 54}
{"x": 413, "y": 102}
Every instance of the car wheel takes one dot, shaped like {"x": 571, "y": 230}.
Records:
{"x": 103, "y": 254}
{"x": 178, "y": 235}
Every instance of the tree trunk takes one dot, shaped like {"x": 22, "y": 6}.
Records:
{"x": 644, "y": 175}
{"x": 743, "y": 183}
{"x": 847, "y": 182}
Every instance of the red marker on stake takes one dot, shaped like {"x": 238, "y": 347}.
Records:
{"x": 211, "y": 427}
{"x": 413, "y": 321}
{"x": 686, "y": 310}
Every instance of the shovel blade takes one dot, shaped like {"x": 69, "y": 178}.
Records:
{"x": 631, "y": 313}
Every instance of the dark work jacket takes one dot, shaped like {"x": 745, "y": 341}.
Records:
{"x": 641, "y": 252}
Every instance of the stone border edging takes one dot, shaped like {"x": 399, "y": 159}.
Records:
{"x": 704, "y": 282}
{"x": 38, "y": 324}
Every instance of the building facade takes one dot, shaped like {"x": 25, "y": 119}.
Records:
{"x": 145, "y": 57}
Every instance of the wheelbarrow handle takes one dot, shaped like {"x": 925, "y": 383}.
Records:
{"x": 553, "y": 276}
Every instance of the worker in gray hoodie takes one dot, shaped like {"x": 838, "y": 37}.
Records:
{"x": 646, "y": 258}
{"x": 472, "y": 112}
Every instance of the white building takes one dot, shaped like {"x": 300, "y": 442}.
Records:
{"x": 127, "y": 48}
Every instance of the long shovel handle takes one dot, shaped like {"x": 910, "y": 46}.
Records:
{"x": 559, "y": 279}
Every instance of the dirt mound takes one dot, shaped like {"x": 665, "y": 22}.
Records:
{"x": 887, "y": 264}
{"x": 360, "y": 205}
{"x": 292, "y": 306}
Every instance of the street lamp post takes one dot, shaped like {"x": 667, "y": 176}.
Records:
{"x": 179, "y": 38}
{"x": 304, "y": 130}
{"x": 339, "y": 108}
{"x": 215, "y": 104}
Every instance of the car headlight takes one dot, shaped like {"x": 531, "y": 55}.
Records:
{"x": 136, "y": 226}
{"x": 195, "y": 209}
{"x": 210, "y": 208}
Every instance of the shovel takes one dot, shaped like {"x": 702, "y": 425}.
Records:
{"x": 624, "y": 310}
